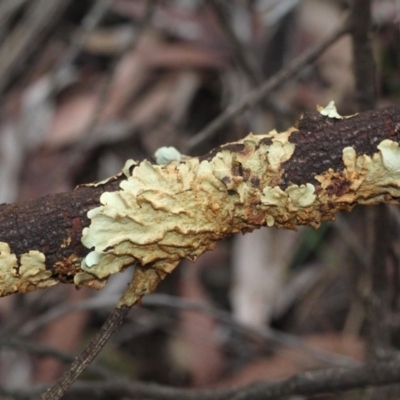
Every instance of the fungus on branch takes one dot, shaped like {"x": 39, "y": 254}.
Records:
{"x": 156, "y": 215}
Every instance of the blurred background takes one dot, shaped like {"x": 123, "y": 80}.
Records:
{"x": 87, "y": 84}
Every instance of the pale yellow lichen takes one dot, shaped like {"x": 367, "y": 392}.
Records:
{"x": 329, "y": 111}
{"x": 162, "y": 214}
{"x": 274, "y": 196}
{"x": 369, "y": 178}
{"x": 390, "y": 153}
{"x": 24, "y": 276}
{"x": 280, "y": 150}
{"x": 301, "y": 196}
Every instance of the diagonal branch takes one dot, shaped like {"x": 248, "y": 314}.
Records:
{"x": 156, "y": 215}
{"x": 268, "y": 86}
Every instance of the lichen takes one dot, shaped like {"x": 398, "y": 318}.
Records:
{"x": 369, "y": 178}
{"x": 329, "y": 111}
{"x": 23, "y": 275}
{"x": 165, "y": 155}
{"x": 165, "y": 213}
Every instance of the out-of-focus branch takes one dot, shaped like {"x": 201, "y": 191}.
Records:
{"x": 267, "y": 87}
{"x": 40, "y": 16}
{"x": 306, "y": 384}
{"x": 363, "y": 61}
{"x": 81, "y": 362}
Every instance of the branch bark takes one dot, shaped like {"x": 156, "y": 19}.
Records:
{"x": 156, "y": 215}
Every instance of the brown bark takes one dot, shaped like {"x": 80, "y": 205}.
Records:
{"x": 52, "y": 225}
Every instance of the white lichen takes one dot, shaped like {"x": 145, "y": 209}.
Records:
{"x": 329, "y": 111}
{"x": 164, "y": 155}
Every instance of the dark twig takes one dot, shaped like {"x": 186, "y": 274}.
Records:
{"x": 93, "y": 123}
{"x": 244, "y": 57}
{"x": 46, "y": 351}
{"x": 307, "y": 384}
{"x": 256, "y": 95}
{"x": 279, "y": 337}
{"x": 364, "y": 66}
{"x": 19, "y": 45}
{"x": 8, "y": 8}
{"x": 91, "y": 20}
{"x": 80, "y": 363}
{"x": 324, "y": 381}
{"x": 164, "y": 300}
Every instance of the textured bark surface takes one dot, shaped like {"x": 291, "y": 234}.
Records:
{"x": 320, "y": 142}
{"x": 53, "y": 226}
{"x": 302, "y": 176}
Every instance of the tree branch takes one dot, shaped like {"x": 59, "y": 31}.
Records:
{"x": 307, "y": 384}
{"x": 156, "y": 215}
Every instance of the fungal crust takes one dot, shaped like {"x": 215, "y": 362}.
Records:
{"x": 165, "y": 213}
{"x": 24, "y": 275}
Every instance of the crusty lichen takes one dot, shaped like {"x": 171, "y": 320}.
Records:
{"x": 330, "y": 111}
{"x": 371, "y": 179}
{"x": 24, "y": 275}
{"x": 165, "y": 213}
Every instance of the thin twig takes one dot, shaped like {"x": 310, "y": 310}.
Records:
{"x": 245, "y": 58}
{"x": 360, "y": 21}
{"x": 91, "y": 20}
{"x": 46, "y": 351}
{"x": 164, "y": 300}
{"x": 19, "y": 45}
{"x": 282, "y": 338}
{"x": 306, "y": 384}
{"x": 8, "y": 8}
{"x": 90, "y": 129}
{"x": 81, "y": 362}
{"x": 352, "y": 241}
{"x": 324, "y": 381}
{"x": 256, "y": 95}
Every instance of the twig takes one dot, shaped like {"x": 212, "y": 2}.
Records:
{"x": 245, "y": 58}
{"x": 364, "y": 66}
{"x": 351, "y": 239}
{"x": 92, "y": 18}
{"x": 256, "y": 95}
{"x": 284, "y": 339}
{"x": 46, "y": 351}
{"x": 94, "y": 303}
{"x": 164, "y": 300}
{"x": 80, "y": 363}
{"x": 307, "y": 384}
{"x": 8, "y": 8}
{"x": 144, "y": 281}
{"x": 324, "y": 381}
{"x": 91, "y": 126}
{"x": 40, "y": 16}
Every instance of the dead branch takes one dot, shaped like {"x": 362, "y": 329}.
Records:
{"x": 156, "y": 215}
{"x": 308, "y": 383}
